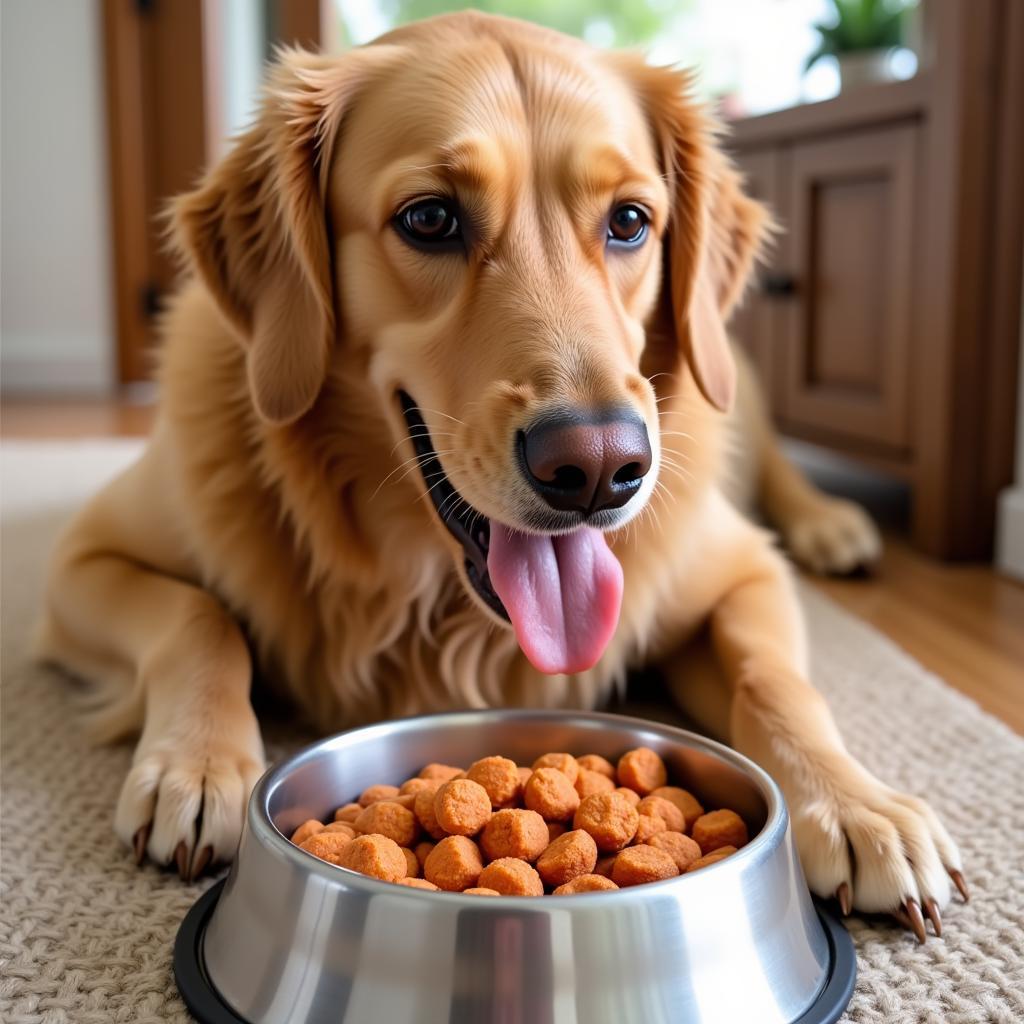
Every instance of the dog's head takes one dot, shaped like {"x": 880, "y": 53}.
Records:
{"x": 491, "y": 219}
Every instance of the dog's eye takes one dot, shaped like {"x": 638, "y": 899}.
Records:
{"x": 430, "y": 222}
{"x": 627, "y": 224}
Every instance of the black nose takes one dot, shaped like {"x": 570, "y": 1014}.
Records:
{"x": 586, "y": 462}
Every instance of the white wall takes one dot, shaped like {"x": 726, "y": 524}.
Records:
{"x": 56, "y": 327}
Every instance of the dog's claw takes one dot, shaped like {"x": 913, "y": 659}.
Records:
{"x": 931, "y": 909}
{"x": 958, "y": 881}
{"x": 181, "y": 859}
{"x": 913, "y": 911}
{"x": 202, "y": 861}
{"x": 139, "y": 842}
{"x": 843, "y": 895}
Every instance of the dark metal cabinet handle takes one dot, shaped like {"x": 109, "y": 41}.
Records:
{"x": 778, "y": 285}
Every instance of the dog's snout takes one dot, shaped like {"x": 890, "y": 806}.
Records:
{"x": 586, "y": 462}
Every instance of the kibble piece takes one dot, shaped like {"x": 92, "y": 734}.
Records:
{"x": 418, "y": 883}
{"x": 605, "y": 865}
{"x": 648, "y": 827}
{"x": 630, "y": 794}
{"x": 442, "y": 772}
{"x": 719, "y": 828}
{"x": 348, "y": 813}
{"x": 588, "y": 782}
{"x": 565, "y": 763}
{"x": 374, "y": 855}
{"x": 305, "y": 830}
{"x": 462, "y": 807}
{"x": 675, "y": 820}
{"x": 341, "y": 826}
{"x": 387, "y": 818}
{"x": 328, "y": 846}
{"x": 641, "y": 864}
{"x": 599, "y": 764}
{"x": 642, "y": 769}
{"x": 499, "y": 776}
{"x": 567, "y": 857}
{"x": 372, "y": 794}
{"x": 585, "y": 883}
{"x": 514, "y": 833}
{"x": 682, "y": 849}
{"x": 684, "y": 800}
{"x": 511, "y": 877}
{"x": 406, "y": 800}
{"x": 415, "y": 786}
{"x": 454, "y": 864}
{"x": 551, "y": 794}
{"x": 711, "y": 858}
{"x": 555, "y": 829}
{"x": 477, "y": 890}
{"x": 422, "y": 851}
{"x": 412, "y": 863}
{"x": 610, "y": 819}
{"x": 423, "y": 808}
{"x": 524, "y": 778}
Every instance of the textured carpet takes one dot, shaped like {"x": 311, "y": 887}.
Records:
{"x": 85, "y": 937}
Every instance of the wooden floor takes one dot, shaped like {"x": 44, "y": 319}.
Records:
{"x": 963, "y": 622}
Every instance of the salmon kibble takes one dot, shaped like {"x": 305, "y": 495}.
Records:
{"x": 418, "y": 883}
{"x": 500, "y": 778}
{"x": 372, "y": 794}
{"x": 599, "y": 764}
{"x": 412, "y": 863}
{"x": 511, "y": 877}
{"x": 328, "y": 846}
{"x": 442, "y": 772}
{"x": 685, "y": 801}
{"x": 305, "y": 830}
{"x": 682, "y": 849}
{"x": 478, "y": 891}
{"x": 514, "y": 833}
{"x": 422, "y": 851}
{"x": 462, "y": 807}
{"x": 641, "y": 864}
{"x": 609, "y": 818}
{"x": 568, "y": 857}
{"x": 389, "y": 819}
{"x": 675, "y": 820}
{"x": 415, "y": 786}
{"x": 565, "y": 763}
{"x": 630, "y": 795}
{"x": 718, "y": 829}
{"x": 524, "y": 778}
{"x": 555, "y": 829}
{"x": 373, "y": 855}
{"x": 585, "y": 883}
{"x": 649, "y": 826}
{"x": 588, "y": 782}
{"x": 642, "y": 770}
{"x": 551, "y": 794}
{"x": 423, "y": 808}
{"x": 340, "y": 826}
{"x": 605, "y": 865}
{"x": 348, "y": 813}
{"x": 454, "y": 864}
{"x": 711, "y": 858}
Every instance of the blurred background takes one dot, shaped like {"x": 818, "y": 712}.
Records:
{"x": 886, "y": 135}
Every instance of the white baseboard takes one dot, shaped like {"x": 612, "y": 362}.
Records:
{"x": 1010, "y": 532}
{"x": 71, "y": 377}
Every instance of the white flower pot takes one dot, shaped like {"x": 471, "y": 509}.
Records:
{"x": 864, "y": 67}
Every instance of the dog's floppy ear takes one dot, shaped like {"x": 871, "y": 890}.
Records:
{"x": 715, "y": 232}
{"x": 255, "y": 230}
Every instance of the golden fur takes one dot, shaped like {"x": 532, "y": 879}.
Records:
{"x": 278, "y": 492}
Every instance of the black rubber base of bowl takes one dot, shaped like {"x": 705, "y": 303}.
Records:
{"x": 207, "y": 1007}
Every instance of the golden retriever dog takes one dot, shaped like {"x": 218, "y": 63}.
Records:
{"x": 445, "y": 422}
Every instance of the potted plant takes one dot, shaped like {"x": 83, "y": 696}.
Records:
{"x": 861, "y": 36}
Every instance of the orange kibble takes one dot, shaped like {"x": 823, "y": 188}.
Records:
{"x": 374, "y": 855}
{"x": 648, "y": 827}
{"x": 642, "y": 769}
{"x": 588, "y": 782}
{"x": 555, "y": 829}
{"x": 387, "y": 818}
{"x": 441, "y": 772}
{"x": 675, "y": 820}
{"x": 514, "y": 833}
{"x": 609, "y": 818}
{"x": 567, "y": 857}
{"x": 551, "y": 794}
{"x": 462, "y": 807}
{"x": 719, "y": 828}
{"x": 422, "y": 851}
{"x": 511, "y": 877}
{"x": 682, "y": 849}
{"x": 347, "y": 813}
{"x": 305, "y": 830}
{"x": 500, "y": 778}
{"x": 415, "y": 786}
{"x": 599, "y": 764}
{"x": 629, "y": 794}
{"x": 711, "y": 858}
{"x": 418, "y": 883}
{"x": 412, "y": 863}
{"x": 406, "y": 800}
{"x": 454, "y": 864}
{"x": 343, "y": 827}
{"x": 423, "y": 808}
{"x": 328, "y": 846}
{"x": 640, "y": 864}
{"x": 565, "y": 763}
{"x": 585, "y": 883}
{"x": 480, "y": 891}
{"x": 605, "y": 865}
{"x": 372, "y": 794}
{"x": 687, "y": 803}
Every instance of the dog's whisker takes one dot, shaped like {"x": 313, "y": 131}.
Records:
{"x": 415, "y": 460}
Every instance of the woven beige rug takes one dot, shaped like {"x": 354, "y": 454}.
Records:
{"x": 85, "y": 937}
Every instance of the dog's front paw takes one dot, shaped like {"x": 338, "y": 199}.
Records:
{"x": 184, "y": 798}
{"x": 833, "y": 537}
{"x": 877, "y": 850}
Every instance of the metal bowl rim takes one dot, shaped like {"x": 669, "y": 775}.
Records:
{"x": 268, "y": 835}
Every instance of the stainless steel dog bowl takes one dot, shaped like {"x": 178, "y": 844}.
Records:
{"x": 293, "y": 939}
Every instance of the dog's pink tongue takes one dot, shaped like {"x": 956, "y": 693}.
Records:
{"x": 563, "y": 594}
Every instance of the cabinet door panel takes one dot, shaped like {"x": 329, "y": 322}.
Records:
{"x": 847, "y": 331}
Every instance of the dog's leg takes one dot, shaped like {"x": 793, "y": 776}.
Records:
{"x": 859, "y": 840}
{"x": 179, "y": 670}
